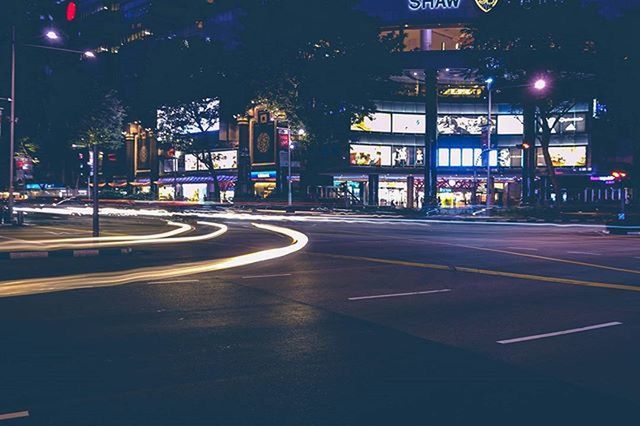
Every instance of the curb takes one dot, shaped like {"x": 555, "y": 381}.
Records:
{"x": 64, "y": 253}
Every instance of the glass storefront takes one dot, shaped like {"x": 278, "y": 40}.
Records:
{"x": 393, "y": 193}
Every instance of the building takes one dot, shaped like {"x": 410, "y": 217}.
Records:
{"x": 429, "y": 143}
{"x": 426, "y": 145}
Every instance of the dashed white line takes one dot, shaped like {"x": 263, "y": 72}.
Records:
{"x": 265, "y": 276}
{"x": 558, "y": 333}
{"x": 174, "y": 282}
{"x": 584, "y": 252}
{"x": 16, "y": 415}
{"x": 523, "y": 248}
{"x": 413, "y": 293}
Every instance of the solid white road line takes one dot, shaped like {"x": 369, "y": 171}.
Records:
{"x": 558, "y": 333}
{"x": 16, "y": 415}
{"x": 522, "y": 248}
{"x": 265, "y": 276}
{"x": 584, "y": 252}
{"x": 414, "y": 293}
{"x": 174, "y": 282}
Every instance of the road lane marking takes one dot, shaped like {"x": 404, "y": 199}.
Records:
{"x": 16, "y": 415}
{"x": 523, "y": 248}
{"x": 528, "y": 277}
{"x": 266, "y": 276}
{"x": 112, "y": 279}
{"x": 558, "y": 333}
{"x": 174, "y": 282}
{"x": 551, "y": 259}
{"x": 414, "y": 293}
{"x": 584, "y": 252}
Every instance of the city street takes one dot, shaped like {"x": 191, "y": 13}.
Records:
{"x": 377, "y": 321}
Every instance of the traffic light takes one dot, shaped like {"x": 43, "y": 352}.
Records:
{"x": 83, "y": 164}
{"x": 71, "y": 11}
{"x": 524, "y": 145}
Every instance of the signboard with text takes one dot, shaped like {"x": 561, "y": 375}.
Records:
{"x": 401, "y": 12}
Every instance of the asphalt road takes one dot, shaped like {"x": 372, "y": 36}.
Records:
{"x": 374, "y": 322}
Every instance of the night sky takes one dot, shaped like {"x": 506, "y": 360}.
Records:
{"x": 616, "y": 6}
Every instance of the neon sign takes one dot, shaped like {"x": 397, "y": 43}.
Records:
{"x": 415, "y": 5}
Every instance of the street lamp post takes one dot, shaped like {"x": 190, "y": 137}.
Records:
{"x": 540, "y": 84}
{"x": 289, "y": 197}
{"x": 489, "y": 185}
{"x": 51, "y": 35}
{"x": 12, "y": 124}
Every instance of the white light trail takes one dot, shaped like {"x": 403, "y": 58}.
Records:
{"x": 90, "y": 242}
{"x": 156, "y": 273}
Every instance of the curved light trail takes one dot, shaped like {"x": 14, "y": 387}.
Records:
{"x": 108, "y": 279}
{"x": 335, "y": 218}
{"x": 85, "y": 242}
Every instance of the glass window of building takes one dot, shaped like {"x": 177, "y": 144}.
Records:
{"x": 443, "y": 157}
{"x": 477, "y": 157}
{"x": 455, "y": 157}
{"x": 467, "y": 157}
{"x": 493, "y": 158}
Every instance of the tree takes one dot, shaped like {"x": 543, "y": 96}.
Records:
{"x": 103, "y": 122}
{"x": 184, "y": 127}
{"x": 101, "y": 126}
{"x": 557, "y": 41}
{"x": 619, "y": 119}
{"x": 324, "y": 73}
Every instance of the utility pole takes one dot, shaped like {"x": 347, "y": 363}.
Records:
{"x": 96, "y": 201}
{"x": 289, "y": 197}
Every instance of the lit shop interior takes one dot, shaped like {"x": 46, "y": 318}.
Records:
{"x": 390, "y": 146}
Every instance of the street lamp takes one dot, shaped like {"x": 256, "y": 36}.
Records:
{"x": 489, "y": 82}
{"x": 540, "y": 84}
{"x": 51, "y": 35}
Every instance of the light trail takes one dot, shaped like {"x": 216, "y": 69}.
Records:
{"x": 90, "y": 242}
{"x": 108, "y": 279}
{"x": 352, "y": 219}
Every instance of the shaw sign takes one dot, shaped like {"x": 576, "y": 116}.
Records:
{"x": 416, "y": 5}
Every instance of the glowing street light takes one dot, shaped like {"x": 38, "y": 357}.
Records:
{"x": 540, "y": 84}
{"x": 89, "y": 54}
{"x": 52, "y": 35}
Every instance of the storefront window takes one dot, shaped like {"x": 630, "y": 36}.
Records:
{"x": 443, "y": 157}
{"x": 393, "y": 194}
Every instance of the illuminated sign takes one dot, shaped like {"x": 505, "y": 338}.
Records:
{"x": 416, "y": 5}
{"x": 370, "y": 155}
{"x": 378, "y": 122}
{"x": 458, "y": 92}
{"x": 486, "y": 5}
{"x": 409, "y": 123}
{"x": 263, "y": 175}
